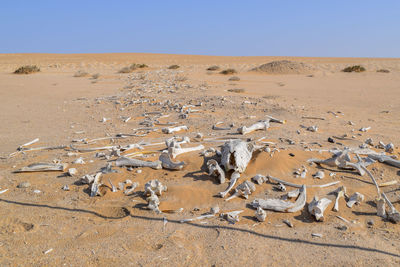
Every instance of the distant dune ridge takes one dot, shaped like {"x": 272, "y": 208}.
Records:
{"x": 285, "y": 67}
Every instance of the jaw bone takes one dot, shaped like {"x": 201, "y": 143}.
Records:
{"x": 281, "y": 205}
{"x": 124, "y": 161}
{"x": 169, "y": 130}
{"x": 261, "y": 125}
{"x": 317, "y": 207}
{"x": 244, "y": 189}
{"x": 168, "y": 164}
{"x": 215, "y": 170}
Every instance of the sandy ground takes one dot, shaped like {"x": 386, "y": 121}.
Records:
{"x": 53, "y": 227}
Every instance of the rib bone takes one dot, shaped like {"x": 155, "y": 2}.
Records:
{"x": 385, "y": 159}
{"x": 244, "y": 189}
{"x": 261, "y": 125}
{"x": 175, "y": 151}
{"x": 123, "y": 161}
{"x": 215, "y": 170}
{"x": 43, "y": 167}
{"x": 317, "y": 207}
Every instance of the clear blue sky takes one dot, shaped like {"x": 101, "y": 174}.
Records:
{"x": 358, "y": 28}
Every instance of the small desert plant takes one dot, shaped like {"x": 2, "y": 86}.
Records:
{"x": 237, "y": 90}
{"x": 129, "y": 69}
{"x": 355, "y": 68}
{"x": 95, "y": 76}
{"x": 383, "y": 70}
{"x": 173, "y": 67}
{"x": 81, "y": 73}
{"x": 141, "y": 66}
{"x": 234, "y": 79}
{"x": 212, "y": 68}
{"x": 27, "y": 69}
{"x": 228, "y": 71}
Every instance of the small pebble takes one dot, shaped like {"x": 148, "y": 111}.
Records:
{"x": 65, "y": 188}
{"x": 331, "y": 140}
{"x": 24, "y": 185}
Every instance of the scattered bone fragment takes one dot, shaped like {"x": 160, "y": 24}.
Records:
{"x": 232, "y": 216}
{"x": 43, "y": 167}
{"x": 288, "y": 223}
{"x": 293, "y": 194}
{"x": 113, "y": 187}
{"x": 340, "y": 192}
{"x": 356, "y": 198}
{"x": 316, "y": 235}
{"x": 175, "y": 142}
{"x": 234, "y": 178}
{"x": 259, "y": 179}
{"x": 365, "y": 129}
{"x": 339, "y": 159}
{"x": 215, "y": 170}
{"x": 215, "y": 127}
{"x": 72, "y": 171}
{"x": 244, "y": 189}
{"x": 389, "y": 148}
{"x": 319, "y": 175}
{"x": 214, "y": 210}
{"x": 381, "y": 207}
{"x": 87, "y": 179}
{"x": 121, "y": 186}
{"x": 280, "y": 187}
{"x": 168, "y": 164}
{"x": 281, "y": 205}
{"x": 153, "y": 203}
{"x": 24, "y": 185}
{"x": 169, "y": 130}
{"x": 154, "y": 187}
{"x": 3, "y": 191}
{"x": 385, "y": 159}
{"x": 272, "y": 119}
{"x": 131, "y": 188}
{"x": 312, "y": 128}
{"x": 21, "y": 147}
{"x": 127, "y": 162}
{"x": 65, "y": 188}
{"x": 108, "y": 169}
{"x": 271, "y": 178}
{"x": 261, "y": 125}
{"x": 317, "y": 207}
{"x": 79, "y": 161}
{"x": 95, "y": 188}
{"x": 202, "y": 217}
{"x": 176, "y": 151}
{"x": 393, "y": 215}
{"x": 260, "y": 215}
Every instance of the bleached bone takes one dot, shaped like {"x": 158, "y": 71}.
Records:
{"x": 108, "y": 169}
{"x": 176, "y": 151}
{"x": 381, "y": 207}
{"x": 389, "y": 148}
{"x": 272, "y": 119}
{"x": 72, "y": 171}
{"x": 236, "y": 155}
{"x": 317, "y": 207}
{"x": 215, "y": 127}
{"x": 208, "y": 152}
{"x": 90, "y": 149}
{"x": 259, "y": 179}
{"x": 340, "y": 192}
{"x": 168, "y": 164}
{"x": 319, "y": 175}
{"x": 169, "y": 130}
{"x": 298, "y": 185}
{"x": 338, "y": 160}
{"x": 261, "y": 125}
{"x": 79, "y": 161}
{"x": 153, "y": 203}
{"x": 235, "y": 176}
{"x": 3, "y": 191}
{"x": 393, "y": 215}
{"x": 293, "y": 194}
{"x": 174, "y": 142}
{"x": 365, "y": 129}
{"x": 132, "y": 188}
{"x": 87, "y": 179}
{"x": 357, "y": 166}
{"x": 260, "y": 215}
{"x": 95, "y": 188}
{"x": 244, "y": 189}
{"x": 127, "y": 162}
{"x": 215, "y": 170}
{"x": 232, "y": 216}
{"x": 280, "y": 187}
{"x": 113, "y": 188}
{"x": 385, "y": 159}
{"x": 205, "y": 216}
{"x": 356, "y": 198}
{"x": 281, "y": 205}
{"x": 43, "y": 167}
{"x": 21, "y": 147}
{"x": 312, "y": 128}
{"x": 154, "y": 187}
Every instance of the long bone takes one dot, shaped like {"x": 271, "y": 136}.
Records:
{"x": 234, "y": 178}
{"x": 272, "y": 119}
{"x": 317, "y": 207}
{"x": 360, "y": 162}
{"x": 298, "y": 185}
{"x": 174, "y": 142}
{"x": 281, "y": 205}
{"x": 385, "y": 159}
{"x": 261, "y": 125}
{"x": 169, "y": 130}
{"x": 168, "y": 164}
{"x": 43, "y": 167}
{"x": 339, "y": 192}
{"x": 217, "y": 128}
{"x": 175, "y": 151}
{"x": 123, "y": 161}
{"x": 244, "y": 189}
{"x": 215, "y": 170}
{"x": 393, "y": 214}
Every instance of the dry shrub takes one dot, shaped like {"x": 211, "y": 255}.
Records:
{"x": 95, "y": 76}
{"x": 355, "y": 68}
{"x": 285, "y": 67}
{"x": 213, "y": 68}
{"x": 173, "y": 67}
{"x": 27, "y": 69}
{"x": 236, "y": 90}
{"x": 234, "y": 79}
{"x": 81, "y": 73}
{"x": 228, "y": 71}
{"x": 383, "y": 71}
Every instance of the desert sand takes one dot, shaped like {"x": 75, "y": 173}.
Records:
{"x": 42, "y": 224}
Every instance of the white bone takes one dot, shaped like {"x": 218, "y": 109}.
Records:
{"x": 393, "y": 215}
{"x": 232, "y": 216}
{"x": 132, "y": 188}
{"x": 312, "y": 128}
{"x": 338, "y": 160}
{"x": 215, "y": 127}
{"x": 168, "y": 164}
{"x": 356, "y": 198}
{"x": 175, "y": 151}
{"x": 87, "y": 179}
{"x": 259, "y": 179}
{"x": 215, "y": 170}
{"x": 381, "y": 207}
{"x": 365, "y": 129}
{"x": 174, "y": 142}
{"x": 153, "y": 203}
{"x": 43, "y": 167}
{"x": 94, "y": 190}
{"x": 235, "y": 176}
{"x": 28, "y": 144}
{"x": 340, "y": 192}
{"x": 113, "y": 188}
{"x": 319, "y": 175}
{"x": 261, "y": 125}
{"x": 318, "y": 206}
{"x": 79, "y": 161}
{"x": 281, "y": 205}
{"x": 298, "y": 185}
{"x": 123, "y": 161}
{"x": 385, "y": 159}
{"x": 272, "y": 119}
{"x": 154, "y": 187}
{"x": 169, "y": 130}
{"x": 236, "y": 155}
{"x": 280, "y": 187}
{"x": 206, "y": 216}
{"x": 260, "y": 215}
{"x": 360, "y": 162}
{"x": 3, "y": 191}
{"x": 244, "y": 189}
{"x": 293, "y": 194}
{"x": 72, "y": 171}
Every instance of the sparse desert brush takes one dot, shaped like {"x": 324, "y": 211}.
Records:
{"x": 234, "y": 79}
{"x": 141, "y": 66}
{"x": 27, "y": 69}
{"x": 213, "y": 68}
{"x": 81, "y": 73}
{"x": 173, "y": 67}
{"x": 355, "y": 68}
{"x": 236, "y": 90}
{"x": 180, "y": 78}
{"x": 228, "y": 71}
{"x": 129, "y": 69}
{"x": 383, "y": 70}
